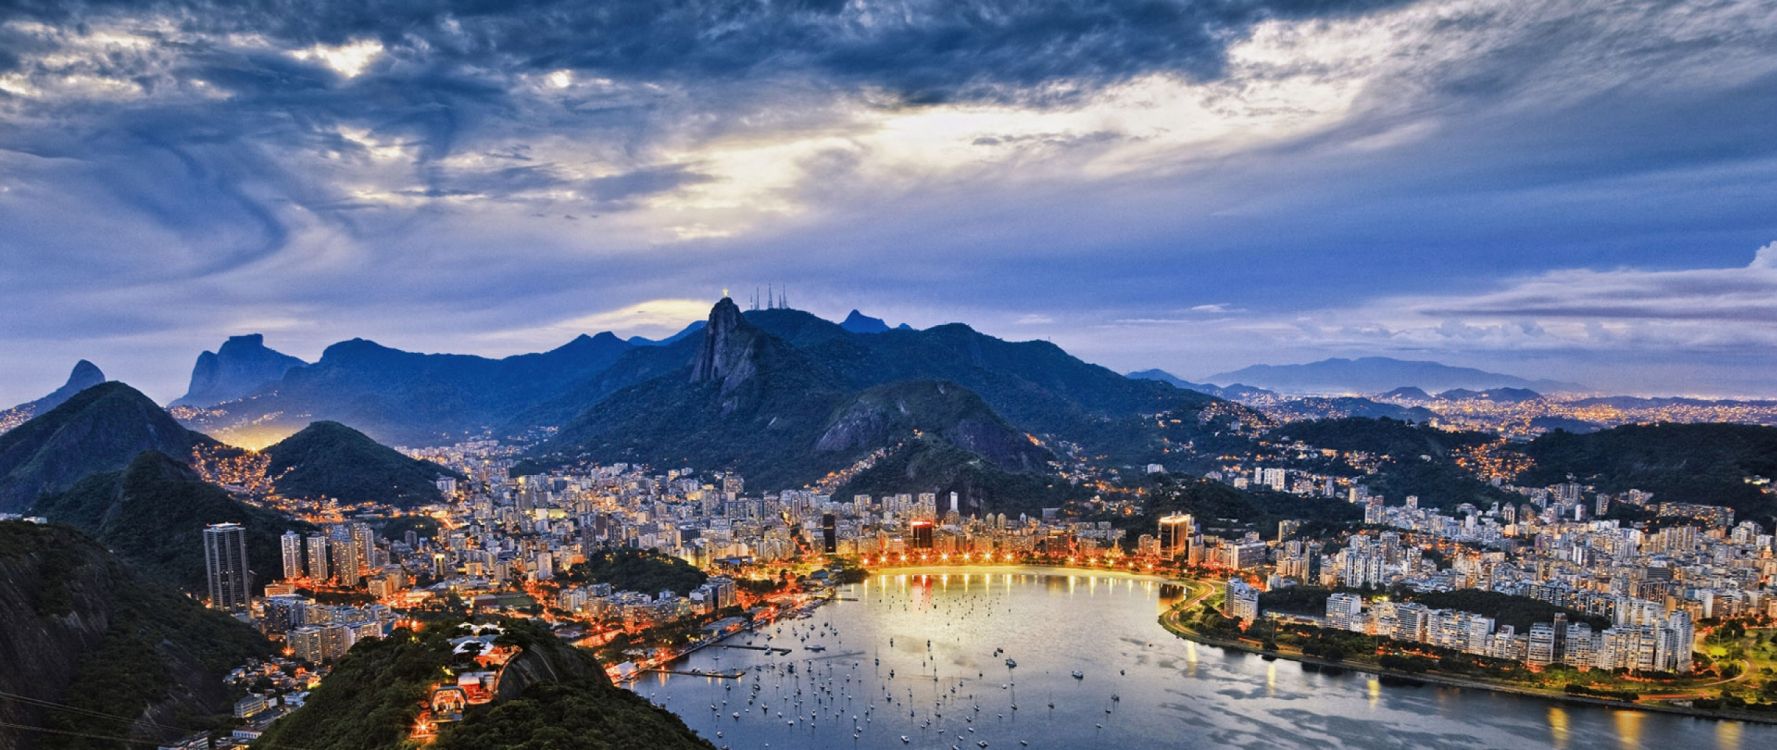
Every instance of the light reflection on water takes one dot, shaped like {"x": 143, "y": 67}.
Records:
{"x": 1170, "y": 692}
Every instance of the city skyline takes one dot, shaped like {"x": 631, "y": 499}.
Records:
{"x": 1577, "y": 192}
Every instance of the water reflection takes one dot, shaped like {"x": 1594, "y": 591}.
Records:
{"x": 1139, "y": 686}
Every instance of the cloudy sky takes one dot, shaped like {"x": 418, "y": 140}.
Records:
{"x": 1575, "y": 189}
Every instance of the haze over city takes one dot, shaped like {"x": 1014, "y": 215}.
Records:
{"x": 1575, "y": 190}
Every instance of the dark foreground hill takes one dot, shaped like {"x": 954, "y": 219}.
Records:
{"x": 123, "y": 656}
{"x": 551, "y": 696}
{"x": 100, "y": 429}
{"x": 329, "y": 459}
{"x": 152, "y": 514}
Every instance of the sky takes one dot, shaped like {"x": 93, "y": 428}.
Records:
{"x": 1580, "y": 190}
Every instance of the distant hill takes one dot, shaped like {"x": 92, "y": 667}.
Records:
{"x": 1639, "y": 402}
{"x": 552, "y": 695}
{"x": 100, "y": 429}
{"x": 1406, "y": 393}
{"x": 858, "y": 322}
{"x": 683, "y": 333}
{"x": 329, "y": 459}
{"x": 241, "y": 366}
{"x": 1376, "y": 374}
{"x": 1498, "y": 395}
{"x": 125, "y": 655}
{"x": 1688, "y": 463}
{"x": 153, "y": 513}
{"x": 1176, "y": 381}
{"x": 84, "y": 376}
{"x": 409, "y": 398}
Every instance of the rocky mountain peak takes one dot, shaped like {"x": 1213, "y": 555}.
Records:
{"x": 728, "y": 347}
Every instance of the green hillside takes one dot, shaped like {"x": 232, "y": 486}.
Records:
{"x": 153, "y": 514}
{"x": 329, "y": 459}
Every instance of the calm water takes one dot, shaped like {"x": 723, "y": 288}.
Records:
{"x": 1141, "y": 686}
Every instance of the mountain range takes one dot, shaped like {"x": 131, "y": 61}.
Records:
{"x": 85, "y": 375}
{"x": 787, "y": 398}
{"x": 406, "y": 397}
{"x": 1378, "y": 374}
{"x": 240, "y": 367}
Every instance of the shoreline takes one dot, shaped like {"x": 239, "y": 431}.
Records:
{"x": 1168, "y": 621}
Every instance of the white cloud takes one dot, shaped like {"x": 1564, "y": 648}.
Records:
{"x": 349, "y": 59}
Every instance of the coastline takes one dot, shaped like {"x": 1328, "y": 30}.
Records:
{"x": 1169, "y": 621}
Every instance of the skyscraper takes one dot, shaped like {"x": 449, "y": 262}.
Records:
{"x": 291, "y": 544}
{"x": 225, "y": 559}
{"x": 318, "y": 557}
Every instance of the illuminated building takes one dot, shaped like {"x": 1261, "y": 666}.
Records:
{"x": 291, "y": 544}
{"x": 1175, "y": 535}
{"x": 922, "y": 534}
{"x": 225, "y": 562}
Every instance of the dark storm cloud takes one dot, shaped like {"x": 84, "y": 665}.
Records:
{"x": 920, "y": 50}
{"x": 424, "y": 173}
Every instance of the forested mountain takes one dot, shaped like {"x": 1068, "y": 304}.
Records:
{"x": 1712, "y": 464}
{"x": 329, "y": 459}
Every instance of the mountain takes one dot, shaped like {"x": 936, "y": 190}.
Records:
{"x": 858, "y": 322}
{"x": 100, "y": 429}
{"x": 1176, "y": 382}
{"x": 153, "y": 513}
{"x": 1406, "y": 393}
{"x": 329, "y": 459}
{"x": 84, "y": 376}
{"x": 683, "y": 334}
{"x": 783, "y": 408}
{"x": 550, "y": 695}
{"x": 1376, "y": 374}
{"x": 408, "y": 398}
{"x": 1710, "y": 464}
{"x": 126, "y": 656}
{"x": 242, "y": 365}
{"x": 1499, "y": 395}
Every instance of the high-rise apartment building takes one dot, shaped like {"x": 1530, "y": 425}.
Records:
{"x": 225, "y": 561}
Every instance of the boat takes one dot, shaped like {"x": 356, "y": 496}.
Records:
{"x": 1010, "y": 664}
